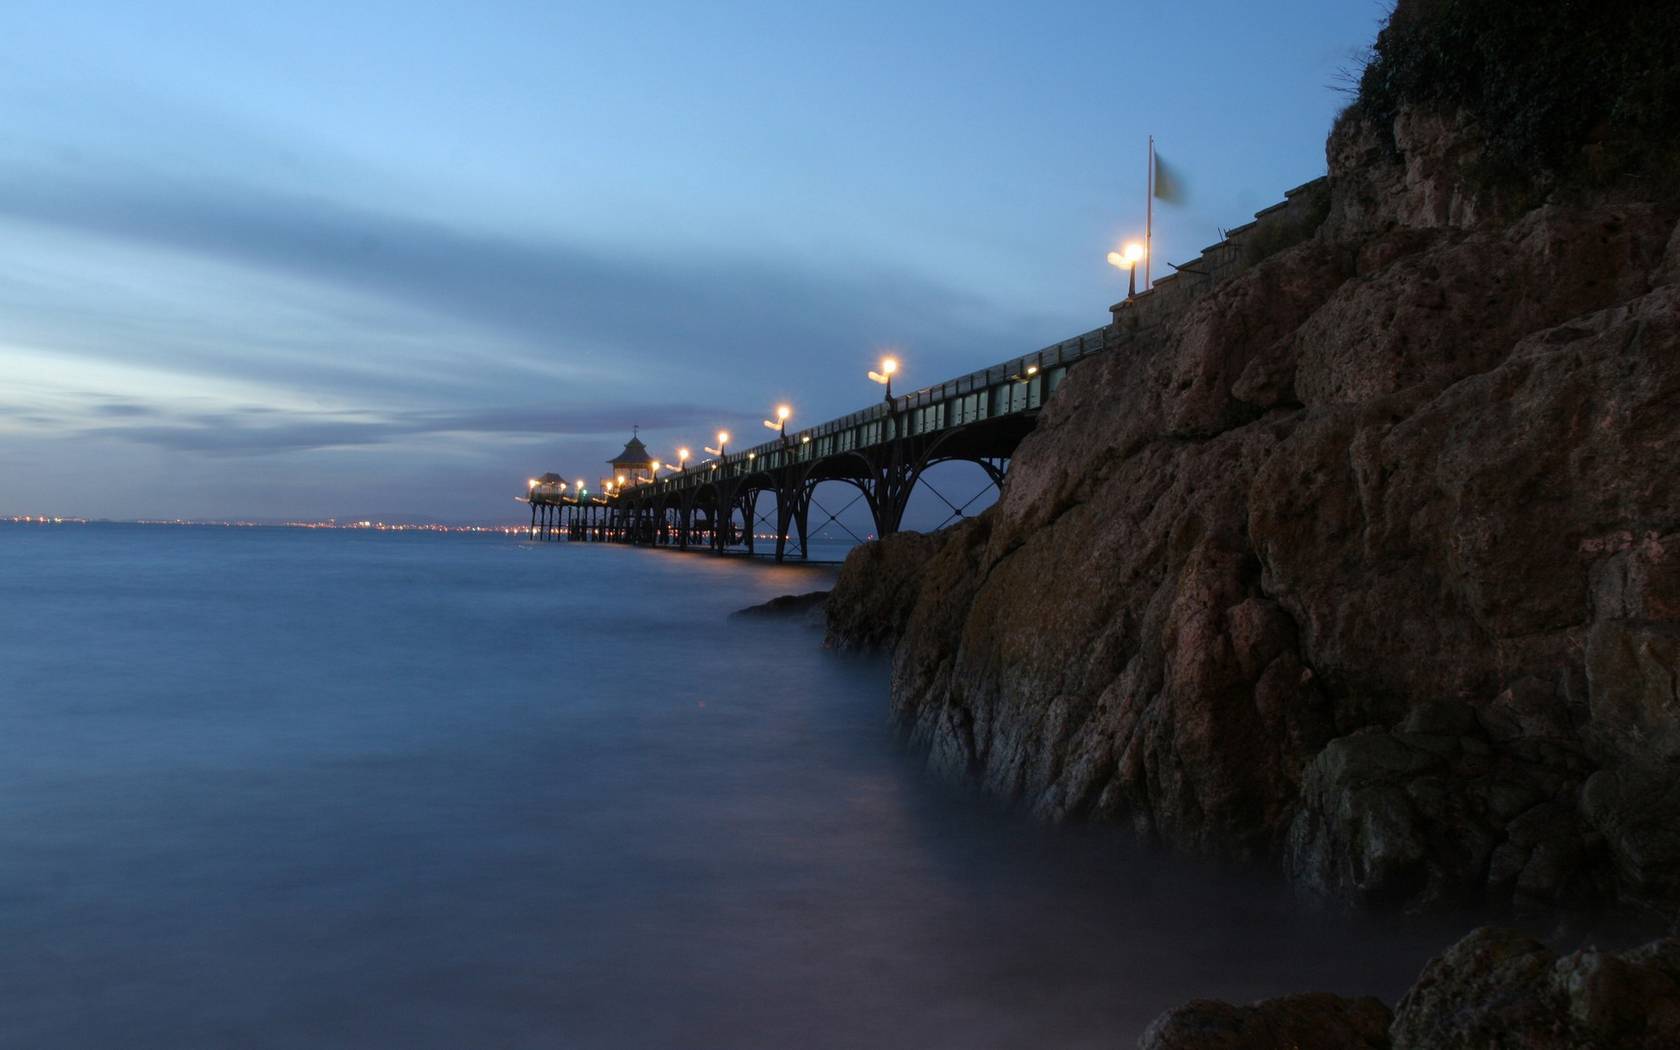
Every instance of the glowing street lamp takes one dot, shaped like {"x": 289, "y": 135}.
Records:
{"x": 682, "y": 459}
{"x": 1127, "y": 259}
{"x": 889, "y": 365}
{"x": 530, "y": 483}
{"x": 779, "y": 424}
{"x": 723, "y": 445}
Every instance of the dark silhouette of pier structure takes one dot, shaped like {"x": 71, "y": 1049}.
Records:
{"x": 763, "y": 495}
{"x": 760, "y": 500}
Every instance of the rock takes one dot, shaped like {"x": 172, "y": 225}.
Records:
{"x": 1296, "y": 1022}
{"x": 1633, "y": 809}
{"x": 877, "y": 587}
{"x": 1670, "y": 270}
{"x": 1499, "y": 988}
{"x": 807, "y": 608}
{"x": 1528, "y": 708}
{"x": 1496, "y": 989}
{"x": 1633, "y": 675}
{"x": 1434, "y": 814}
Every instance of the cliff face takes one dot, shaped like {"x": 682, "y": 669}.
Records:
{"x": 1367, "y": 561}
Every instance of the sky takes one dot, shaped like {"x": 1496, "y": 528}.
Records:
{"x": 373, "y": 259}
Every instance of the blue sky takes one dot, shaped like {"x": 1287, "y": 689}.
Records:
{"x": 317, "y": 259}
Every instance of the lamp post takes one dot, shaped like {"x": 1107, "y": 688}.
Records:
{"x": 722, "y": 449}
{"x": 682, "y": 460}
{"x": 779, "y": 424}
{"x": 1127, "y": 259}
{"x": 889, "y": 365}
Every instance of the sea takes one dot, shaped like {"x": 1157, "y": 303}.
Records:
{"x": 288, "y": 788}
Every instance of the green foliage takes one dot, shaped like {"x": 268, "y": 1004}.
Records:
{"x": 1570, "y": 88}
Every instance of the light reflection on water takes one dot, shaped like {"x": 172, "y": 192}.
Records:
{"x": 268, "y": 788}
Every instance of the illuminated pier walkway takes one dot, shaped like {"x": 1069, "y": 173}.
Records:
{"x": 738, "y": 501}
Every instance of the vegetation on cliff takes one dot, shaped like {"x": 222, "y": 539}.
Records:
{"x": 1575, "y": 90}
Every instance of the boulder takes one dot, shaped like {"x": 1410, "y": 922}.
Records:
{"x": 808, "y": 609}
{"x": 1296, "y": 1022}
{"x": 1500, "y": 988}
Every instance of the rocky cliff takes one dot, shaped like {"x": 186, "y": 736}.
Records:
{"x": 1365, "y": 560}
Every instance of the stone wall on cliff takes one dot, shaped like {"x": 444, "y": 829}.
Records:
{"x": 1366, "y": 559}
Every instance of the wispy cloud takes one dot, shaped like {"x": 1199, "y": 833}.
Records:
{"x": 255, "y": 430}
{"x": 564, "y": 298}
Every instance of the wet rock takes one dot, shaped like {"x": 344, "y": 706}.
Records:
{"x": 807, "y": 609}
{"x": 1499, "y": 988}
{"x": 1296, "y": 1022}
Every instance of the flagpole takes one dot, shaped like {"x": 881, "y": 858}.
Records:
{"x": 1149, "y": 222}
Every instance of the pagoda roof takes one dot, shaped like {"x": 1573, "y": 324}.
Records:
{"x": 635, "y": 454}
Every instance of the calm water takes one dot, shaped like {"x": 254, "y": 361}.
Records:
{"x": 272, "y": 788}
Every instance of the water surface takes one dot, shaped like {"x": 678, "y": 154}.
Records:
{"x": 283, "y": 788}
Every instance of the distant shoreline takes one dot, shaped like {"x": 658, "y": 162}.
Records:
{"x": 363, "y": 525}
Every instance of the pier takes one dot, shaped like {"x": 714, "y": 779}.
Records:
{"x": 739, "y": 501}
{"x": 729, "y": 503}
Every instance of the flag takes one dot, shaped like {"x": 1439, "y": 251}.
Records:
{"x": 1169, "y": 187}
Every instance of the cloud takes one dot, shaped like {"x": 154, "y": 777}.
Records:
{"x": 260, "y": 431}
{"x": 654, "y": 310}
{"x": 123, "y": 409}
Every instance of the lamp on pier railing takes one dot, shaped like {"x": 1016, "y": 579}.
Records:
{"x": 1127, "y": 259}
{"x": 779, "y": 424}
{"x": 723, "y": 445}
{"x": 653, "y": 472}
{"x": 889, "y": 365}
{"x": 682, "y": 459}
